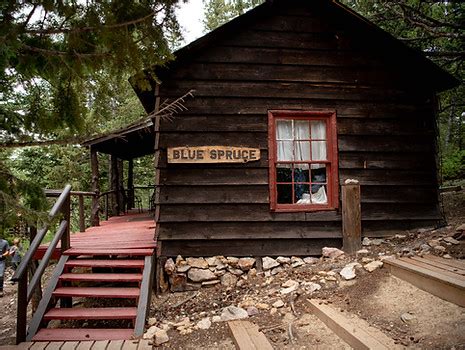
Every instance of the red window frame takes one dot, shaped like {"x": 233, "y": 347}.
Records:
{"x": 332, "y": 181}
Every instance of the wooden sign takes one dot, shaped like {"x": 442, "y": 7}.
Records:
{"x": 213, "y": 154}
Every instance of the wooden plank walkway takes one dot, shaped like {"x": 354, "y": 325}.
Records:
{"x": 133, "y": 231}
{"x": 142, "y": 344}
{"x": 444, "y": 278}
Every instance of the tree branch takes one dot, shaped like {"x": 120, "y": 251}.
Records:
{"x": 63, "y": 53}
{"x": 34, "y": 143}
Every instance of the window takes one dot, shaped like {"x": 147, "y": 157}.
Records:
{"x": 303, "y": 160}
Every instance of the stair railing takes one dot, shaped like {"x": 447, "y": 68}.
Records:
{"x": 25, "y": 289}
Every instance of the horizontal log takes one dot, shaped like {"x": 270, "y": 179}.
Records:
{"x": 259, "y": 194}
{"x": 248, "y": 230}
{"x": 322, "y": 90}
{"x": 239, "y": 105}
{"x": 275, "y": 247}
{"x": 287, "y": 56}
{"x": 259, "y": 176}
{"x": 371, "y": 143}
{"x": 373, "y": 160}
{"x": 282, "y": 73}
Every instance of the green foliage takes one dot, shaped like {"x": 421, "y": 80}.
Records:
{"x": 453, "y": 166}
{"x": 218, "y": 12}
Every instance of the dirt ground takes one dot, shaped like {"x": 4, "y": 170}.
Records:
{"x": 376, "y": 297}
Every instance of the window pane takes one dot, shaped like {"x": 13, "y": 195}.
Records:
{"x": 318, "y": 173}
{"x": 301, "y": 130}
{"x": 318, "y": 195}
{"x": 284, "y": 194}
{"x": 318, "y": 150}
{"x": 285, "y": 150}
{"x": 301, "y": 173}
{"x": 302, "y": 193}
{"x": 284, "y": 129}
{"x": 284, "y": 173}
{"x": 302, "y": 150}
{"x": 318, "y": 129}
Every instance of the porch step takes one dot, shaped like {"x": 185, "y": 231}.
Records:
{"x": 105, "y": 263}
{"x": 82, "y": 334}
{"x": 101, "y": 277}
{"x": 103, "y": 251}
{"x": 97, "y": 292}
{"x": 101, "y": 313}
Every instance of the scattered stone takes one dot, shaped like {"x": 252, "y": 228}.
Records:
{"x": 252, "y": 272}
{"x": 331, "y": 253}
{"x": 407, "y": 317}
{"x": 447, "y": 256}
{"x": 199, "y": 263}
{"x": 283, "y": 260}
{"x": 180, "y": 260}
{"x": 277, "y": 304}
{"x": 273, "y": 311}
{"x": 311, "y": 260}
{"x": 210, "y": 283}
{"x": 348, "y": 272}
{"x": 461, "y": 228}
{"x": 152, "y": 321}
{"x": 262, "y": 306}
{"x": 252, "y": 311}
{"x": 366, "y": 260}
{"x": 289, "y": 286}
{"x": 377, "y": 241}
{"x": 200, "y": 275}
{"x": 231, "y": 313}
{"x": 151, "y": 332}
{"x": 204, "y": 323}
{"x": 363, "y": 252}
{"x": 296, "y": 261}
{"x": 268, "y": 263}
{"x": 322, "y": 273}
{"x": 351, "y": 182}
{"x": 400, "y": 236}
{"x": 433, "y": 243}
{"x": 451, "y": 240}
{"x": 228, "y": 280}
{"x": 425, "y": 247}
{"x": 183, "y": 268}
{"x": 366, "y": 241}
{"x": 236, "y": 272}
{"x": 232, "y": 261}
{"x": 216, "y": 318}
{"x": 192, "y": 286}
{"x": 276, "y": 270}
{"x": 312, "y": 287}
{"x": 185, "y": 322}
{"x": 245, "y": 264}
{"x": 331, "y": 278}
{"x": 372, "y": 266}
{"x": 161, "y": 337}
{"x": 170, "y": 267}
{"x": 439, "y": 248}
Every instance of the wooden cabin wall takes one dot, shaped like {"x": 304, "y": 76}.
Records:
{"x": 302, "y": 58}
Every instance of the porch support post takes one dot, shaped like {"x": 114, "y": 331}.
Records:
{"x": 121, "y": 193}
{"x": 94, "y": 219}
{"x": 115, "y": 209}
{"x": 351, "y": 217}
{"x": 130, "y": 184}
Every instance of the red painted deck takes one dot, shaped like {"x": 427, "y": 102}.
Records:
{"x": 119, "y": 234}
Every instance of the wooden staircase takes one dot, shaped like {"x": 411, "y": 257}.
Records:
{"x": 119, "y": 278}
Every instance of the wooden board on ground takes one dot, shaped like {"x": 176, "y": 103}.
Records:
{"x": 246, "y": 336}
{"x": 436, "y": 280}
{"x": 142, "y": 344}
{"x": 354, "y": 331}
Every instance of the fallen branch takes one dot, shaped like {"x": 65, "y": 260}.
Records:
{"x": 185, "y": 300}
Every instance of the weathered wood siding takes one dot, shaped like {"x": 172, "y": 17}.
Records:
{"x": 305, "y": 58}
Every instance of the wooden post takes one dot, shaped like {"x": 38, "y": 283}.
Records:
{"x": 121, "y": 193}
{"x": 114, "y": 209}
{"x": 66, "y": 210}
{"x": 21, "y": 310}
{"x": 82, "y": 220}
{"x": 351, "y": 217}
{"x": 94, "y": 219}
{"x": 130, "y": 184}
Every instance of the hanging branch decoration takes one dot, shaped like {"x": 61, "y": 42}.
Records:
{"x": 168, "y": 109}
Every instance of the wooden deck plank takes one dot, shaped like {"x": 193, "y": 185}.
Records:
{"x": 450, "y": 262}
{"x": 97, "y": 313}
{"x": 440, "y": 264}
{"x": 145, "y": 344}
{"x": 115, "y": 345}
{"x": 106, "y": 263}
{"x": 54, "y": 345}
{"x": 70, "y": 345}
{"x": 100, "y": 345}
{"x": 130, "y": 345}
{"x": 97, "y": 292}
{"x": 246, "y": 336}
{"x": 444, "y": 287}
{"x": 108, "y": 251}
{"x": 39, "y": 346}
{"x": 81, "y": 334}
{"x": 102, "y": 277}
{"x": 434, "y": 268}
{"x": 356, "y": 333}
{"x": 85, "y": 345}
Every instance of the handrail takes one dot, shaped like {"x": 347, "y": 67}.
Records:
{"x": 26, "y": 291}
{"x": 56, "y": 193}
{"x": 26, "y": 260}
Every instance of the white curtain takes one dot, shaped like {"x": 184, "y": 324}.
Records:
{"x": 319, "y": 133}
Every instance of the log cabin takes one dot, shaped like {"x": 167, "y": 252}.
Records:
{"x": 319, "y": 95}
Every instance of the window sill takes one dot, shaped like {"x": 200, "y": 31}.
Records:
{"x": 304, "y": 209}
